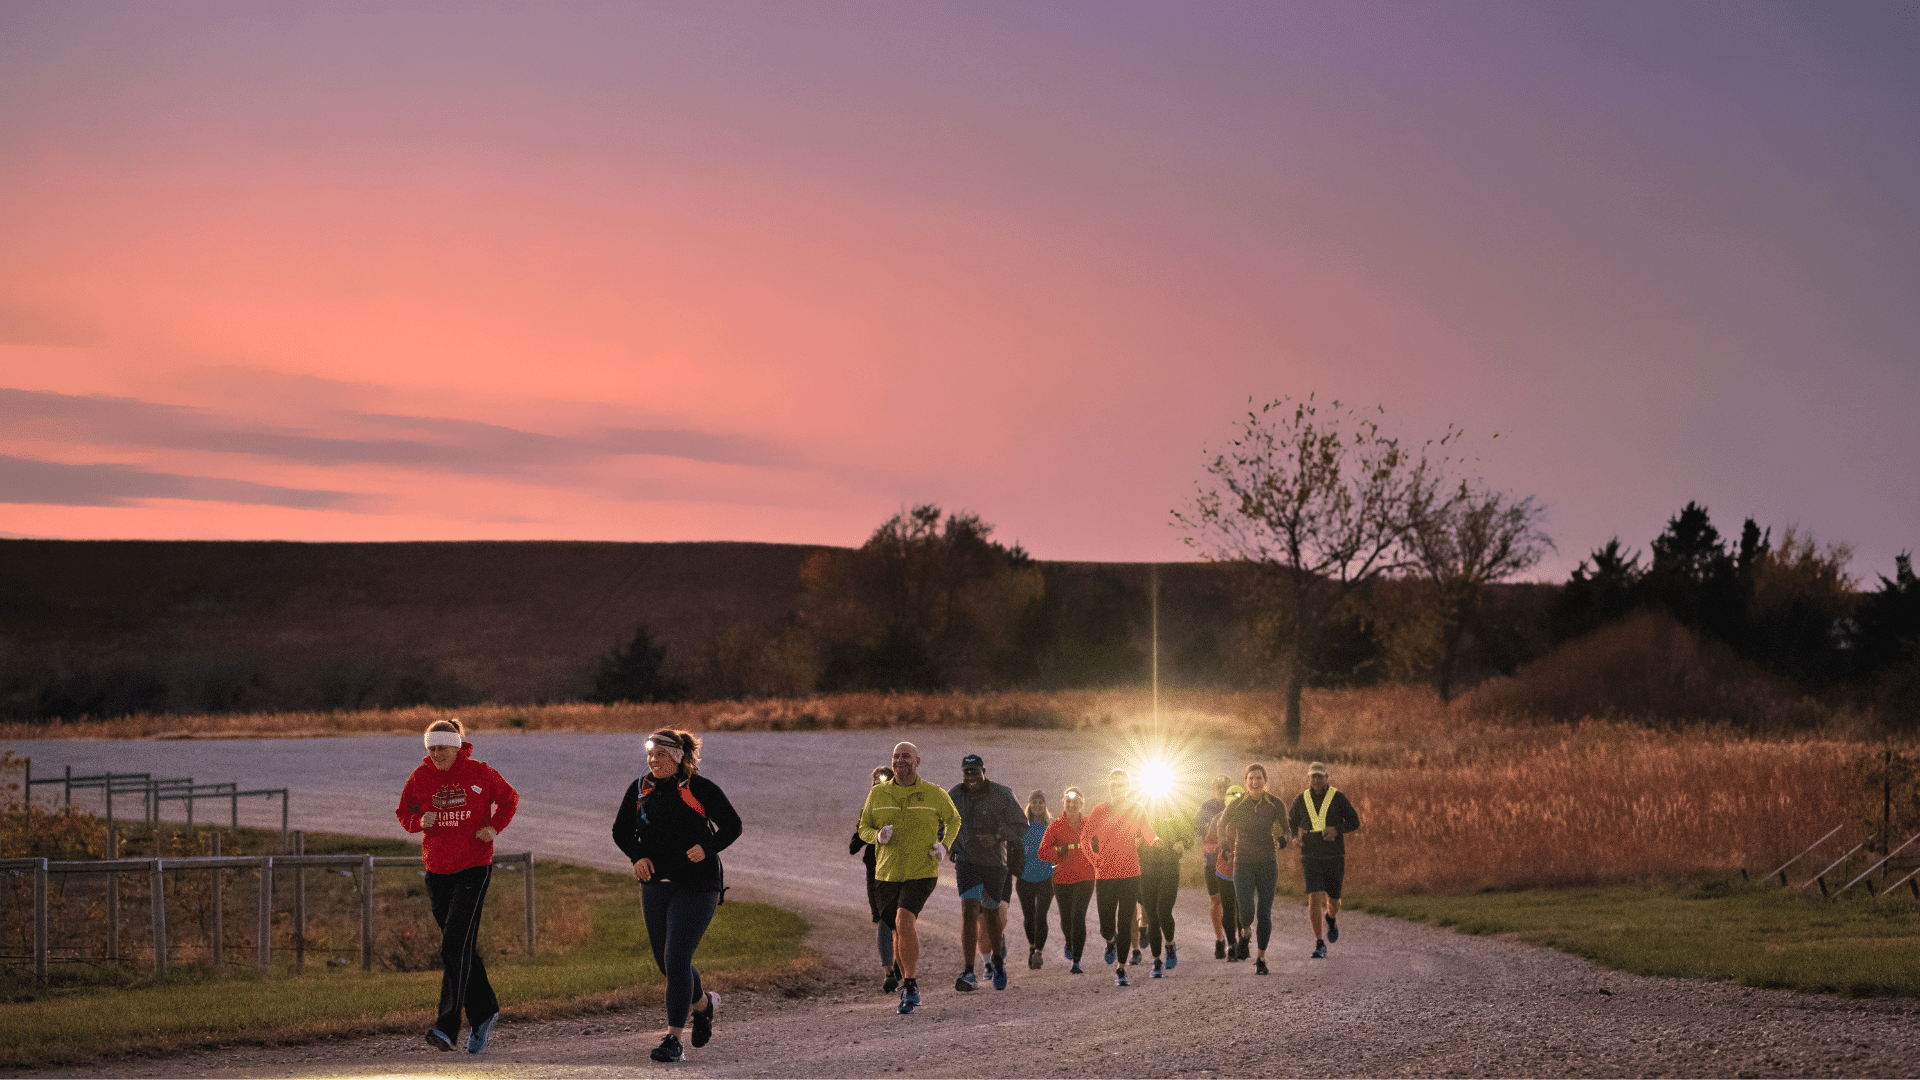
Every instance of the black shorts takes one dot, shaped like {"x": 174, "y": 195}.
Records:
{"x": 910, "y": 894}
{"x": 1324, "y": 875}
{"x": 875, "y": 901}
{"x": 1216, "y": 885}
{"x": 989, "y": 885}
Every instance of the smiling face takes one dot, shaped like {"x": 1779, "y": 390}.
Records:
{"x": 973, "y": 779}
{"x": 660, "y": 763}
{"x": 1119, "y": 786}
{"x": 906, "y": 764}
{"x": 1256, "y": 781}
{"x": 1073, "y": 805}
{"x": 1318, "y": 782}
{"x": 443, "y": 756}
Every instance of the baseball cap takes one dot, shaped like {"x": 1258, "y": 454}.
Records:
{"x": 972, "y": 761}
{"x": 1318, "y": 768}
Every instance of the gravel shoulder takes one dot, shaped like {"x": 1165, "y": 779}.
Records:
{"x": 1394, "y": 999}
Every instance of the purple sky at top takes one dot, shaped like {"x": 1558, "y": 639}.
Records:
{"x": 769, "y": 272}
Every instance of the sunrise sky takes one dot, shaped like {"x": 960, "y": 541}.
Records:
{"x": 688, "y": 271}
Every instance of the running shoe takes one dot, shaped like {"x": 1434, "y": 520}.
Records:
{"x": 1136, "y": 961}
{"x": 1033, "y": 959}
{"x": 999, "y": 967}
{"x": 1120, "y": 976}
{"x": 966, "y": 983}
{"x": 1333, "y": 930}
{"x": 1220, "y": 950}
{"x": 1259, "y": 967}
{"x": 438, "y": 1039}
{"x": 1066, "y": 952}
{"x": 669, "y": 1050}
{"x": 1076, "y": 969}
{"x": 909, "y": 996}
{"x": 703, "y": 1021}
{"x": 1173, "y": 958}
{"x": 1319, "y": 951}
{"x": 477, "y": 1038}
{"x": 893, "y": 980}
{"x": 1156, "y": 968}
{"x": 1109, "y": 952}
{"x": 1246, "y": 944}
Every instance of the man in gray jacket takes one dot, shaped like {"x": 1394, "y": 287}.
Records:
{"x": 991, "y": 822}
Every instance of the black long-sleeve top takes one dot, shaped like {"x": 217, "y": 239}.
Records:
{"x": 1341, "y": 816}
{"x": 661, "y": 826}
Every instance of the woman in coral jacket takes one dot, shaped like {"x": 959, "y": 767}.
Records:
{"x": 459, "y": 805}
{"x": 1072, "y": 872}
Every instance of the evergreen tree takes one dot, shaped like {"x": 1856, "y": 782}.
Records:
{"x": 636, "y": 672}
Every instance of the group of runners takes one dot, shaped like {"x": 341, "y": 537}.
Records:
{"x": 1122, "y": 855}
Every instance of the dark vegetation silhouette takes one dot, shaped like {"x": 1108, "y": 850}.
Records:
{"x": 636, "y": 672}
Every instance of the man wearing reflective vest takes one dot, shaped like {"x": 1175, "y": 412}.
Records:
{"x": 1322, "y": 817}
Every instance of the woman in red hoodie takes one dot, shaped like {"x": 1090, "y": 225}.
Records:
{"x": 460, "y": 805}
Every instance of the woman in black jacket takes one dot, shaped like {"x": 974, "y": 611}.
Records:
{"x": 673, "y": 824}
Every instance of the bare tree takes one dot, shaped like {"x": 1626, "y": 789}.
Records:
{"x": 1463, "y": 544}
{"x": 1316, "y": 506}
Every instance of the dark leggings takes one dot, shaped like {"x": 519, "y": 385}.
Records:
{"x": 1116, "y": 898}
{"x": 1035, "y": 898}
{"x": 677, "y": 918}
{"x": 1073, "y": 914}
{"x": 1253, "y": 886}
{"x": 457, "y": 900}
{"x": 1159, "y": 885}
{"x": 1229, "y": 910}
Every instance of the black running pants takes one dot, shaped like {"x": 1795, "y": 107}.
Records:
{"x": 1073, "y": 915}
{"x": 1116, "y": 898}
{"x": 457, "y": 900}
{"x": 1159, "y": 886}
{"x": 1036, "y": 897}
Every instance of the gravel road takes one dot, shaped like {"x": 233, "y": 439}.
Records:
{"x": 1394, "y": 999}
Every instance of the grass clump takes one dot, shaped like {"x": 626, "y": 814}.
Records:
{"x": 1720, "y": 928}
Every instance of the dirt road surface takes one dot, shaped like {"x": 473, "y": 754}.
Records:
{"x": 1394, "y": 999}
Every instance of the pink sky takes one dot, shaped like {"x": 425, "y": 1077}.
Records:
{"x": 768, "y": 272}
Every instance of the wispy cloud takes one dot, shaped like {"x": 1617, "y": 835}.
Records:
{"x": 415, "y": 442}
{"x": 52, "y": 483}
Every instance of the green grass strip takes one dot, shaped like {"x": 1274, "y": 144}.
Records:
{"x": 1722, "y": 928}
{"x": 191, "y": 1005}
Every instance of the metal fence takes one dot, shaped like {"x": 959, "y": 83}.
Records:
{"x": 153, "y": 791}
{"x": 263, "y": 868}
{"x": 1900, "y": 861}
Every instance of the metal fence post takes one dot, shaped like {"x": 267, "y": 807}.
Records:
{"x": 366, "y": 914}
{"x": 299, "y": 903}
{"x": 264, "y": 931}
{"x": 40, "y": 923}
{"x": 113, "y": 895}
{"x": 219, "y": 907}
{"x": 529, "y": 887}
{"x": 285, "y": 793}
{"x": 69, "y": 785}
{"x": 236, "y": 808}
{"x": 157, "y": 902}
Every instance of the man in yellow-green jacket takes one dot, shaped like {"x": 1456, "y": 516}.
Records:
{"x": 909, "y": 822}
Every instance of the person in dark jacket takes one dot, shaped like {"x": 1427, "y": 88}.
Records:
{"x": 875, "y": 903}
{"x": 458, "y": 805}
{"x": 673, "y": 823}
{"x": 1322, "y": 817}
{"x": 990, "y": 819}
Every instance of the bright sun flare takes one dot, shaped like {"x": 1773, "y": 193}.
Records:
{"x": 1157, "y": 779}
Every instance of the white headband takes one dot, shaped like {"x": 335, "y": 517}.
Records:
{"x": 442, "y": 738}
{"x": 677, "y": 754}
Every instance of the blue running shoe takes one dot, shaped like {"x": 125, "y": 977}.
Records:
{"x": 1110, "y": 952}
{"x": 1333, "y": 930}
{"x": 909, "y": 996}
{"x": 477, "y": 1038}
{"x": 1173, "y": 958}
{"x": 1319, "y": 951}
{"x": 999, "y": 970}
{"x": 438, "y": 1039}
{"x": 965, "y": 983}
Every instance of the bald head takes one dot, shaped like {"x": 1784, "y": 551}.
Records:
{"x": 906, "y": 764}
